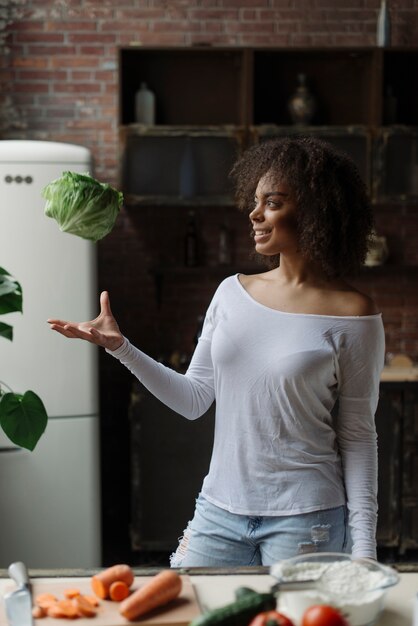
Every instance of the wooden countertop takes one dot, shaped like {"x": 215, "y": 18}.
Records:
{"x": 215, "y": 587}
{"x": 394, "y": 374}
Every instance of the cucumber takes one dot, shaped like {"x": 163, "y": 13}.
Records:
{"x": 243, "y": 591}
{"x": 238, "y": 613}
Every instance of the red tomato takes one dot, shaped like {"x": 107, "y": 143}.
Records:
{"x": 323, "y": 615}
{"x": 271, "y": 618}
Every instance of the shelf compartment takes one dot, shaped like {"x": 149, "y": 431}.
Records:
{"x": 396, "y": 165}
{"x": 178, "y": 165}
{"x": 399, "y": 76}
{"x": 345, "y": 83}
{"x": 192, "y": 86}
{"x": 356, "y": 141}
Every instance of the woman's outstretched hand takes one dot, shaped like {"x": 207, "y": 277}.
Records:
{"x": 103, "y": 330}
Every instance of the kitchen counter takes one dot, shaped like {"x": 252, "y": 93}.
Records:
{"x": 394, "y": 374}
{"x": 215, "y": 587}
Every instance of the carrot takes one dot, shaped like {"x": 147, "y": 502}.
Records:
{"x": 38, "y": 612}
{"x": 71, "y": 593}
{"x": 84, "y": 607}
{"x": 160, "y": 590}
{"x": 92, "y": 599}
{"x": 63, "y": 608}
{"x": 100, "y": 583}
{"x": 44, "y": 600}
{"x": 118, "y": 591}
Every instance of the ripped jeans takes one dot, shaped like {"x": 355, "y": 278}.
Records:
{"x": 217, "y": 538}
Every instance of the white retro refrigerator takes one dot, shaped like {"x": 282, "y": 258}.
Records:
{"x": 49, "y": 498}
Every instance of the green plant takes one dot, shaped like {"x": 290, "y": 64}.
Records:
{"x": 22, "y": 416}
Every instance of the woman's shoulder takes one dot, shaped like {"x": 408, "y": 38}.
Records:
{"x": 354, "y": 303}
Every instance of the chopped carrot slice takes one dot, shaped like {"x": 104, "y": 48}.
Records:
{"x": 44, "y": 600}
{"x": 38, "y": 612}
{"x": 118, "y": 591}
{"x": 92, "y": 599}
{"x": 54, "y": 611}
{"x": 71, "y": 593}
{"x": 84, "y": 608}
{"x": 68, "y": 608}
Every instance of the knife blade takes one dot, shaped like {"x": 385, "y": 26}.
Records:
{"x": 19, "y": 602}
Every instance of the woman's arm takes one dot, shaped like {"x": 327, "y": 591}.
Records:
{"x": 361, "y": 362}
{"x": 189, "y": 394}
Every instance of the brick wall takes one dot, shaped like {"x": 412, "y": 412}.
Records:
{"x": 59, "y": 82}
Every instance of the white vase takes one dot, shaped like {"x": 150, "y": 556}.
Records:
{"x": 144, "y": 106}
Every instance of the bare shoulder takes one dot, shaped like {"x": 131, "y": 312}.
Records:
{"x": 247, "y": 280}
{"x": 355, "y": 303}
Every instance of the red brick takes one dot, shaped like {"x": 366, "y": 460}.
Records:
{"x": 98, "y": 51}
{"x": 75, "y": 61}
{"x": 51, "y": 51}
{"x": 91, "y": 38}
{"x": 32, "y": 62}
{"x": 31, "y": 87}
{"x": 73, "y": 25}
{"x": 46, "y": 75}
{"x": 76, "y": 88}
{"x": 41, "y": 37}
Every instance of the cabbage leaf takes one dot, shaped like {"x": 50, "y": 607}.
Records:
{"x": 82, "y": 205}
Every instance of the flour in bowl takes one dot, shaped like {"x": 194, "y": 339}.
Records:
{"x": 356, "y": 588}
{"x": 339, "y": 577}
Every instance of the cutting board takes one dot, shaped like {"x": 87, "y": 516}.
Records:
{"x": 180, "y": 612}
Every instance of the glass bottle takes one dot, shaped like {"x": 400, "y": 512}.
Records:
{"x": 144, "y": 106}
{"x": 383, "y": 25}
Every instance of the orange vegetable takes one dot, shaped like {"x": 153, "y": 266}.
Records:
{"x": 72, "y": 606}
{"x": 44, "y": 600}
{"x": 118, "y": 591}
{"x": 71, "y": 593}
{"x": 160, "y": 590}
{"x": 84, "y": 607}
{"x": 63, "y": 608}
{"x": 38, "y": 612}
{"x": 100, "y": 583}
{"x": 92, "y": 599}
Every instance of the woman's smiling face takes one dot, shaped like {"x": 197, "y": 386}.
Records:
{"x": 274, "y": 217}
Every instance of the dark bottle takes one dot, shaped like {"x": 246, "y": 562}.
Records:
{"x": 191, "y": 243}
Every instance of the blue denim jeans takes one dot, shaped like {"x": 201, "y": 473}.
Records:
{"x": 217, "y": 538}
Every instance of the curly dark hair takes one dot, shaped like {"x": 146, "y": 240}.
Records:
{"x": 334, "y": 217}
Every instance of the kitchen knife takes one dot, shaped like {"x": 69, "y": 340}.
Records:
{"x": 19, "y": 602}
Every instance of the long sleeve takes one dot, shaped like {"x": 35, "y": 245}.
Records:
{"x": 189, "y": 394}
{"x": 361, "y": 362}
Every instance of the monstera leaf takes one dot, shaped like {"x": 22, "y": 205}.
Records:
{"x": 23, "y": 418}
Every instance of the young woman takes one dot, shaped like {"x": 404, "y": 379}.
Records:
{"x": 293, "y": 357}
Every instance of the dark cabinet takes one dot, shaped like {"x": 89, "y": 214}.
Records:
{"x": 170, "y": 457}
{"x": 397, "y": 427}
{"x": 178, "y": 165}
{"x": 227, "y": 98}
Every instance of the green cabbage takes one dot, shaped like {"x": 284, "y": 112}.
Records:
{"x": 82, "y": 205}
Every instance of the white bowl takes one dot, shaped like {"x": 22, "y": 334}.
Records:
{"x": 356, "y": 587}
